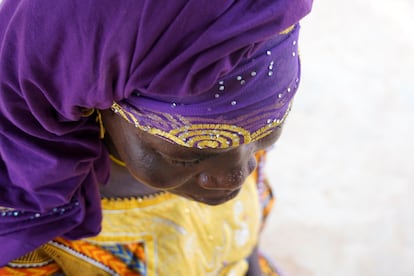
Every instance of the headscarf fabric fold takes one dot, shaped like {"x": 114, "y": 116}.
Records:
{"x": 238, "y": 108}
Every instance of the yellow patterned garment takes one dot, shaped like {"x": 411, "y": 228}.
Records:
{"x": 163, "y": 234}
{"x": 183, "y": 237}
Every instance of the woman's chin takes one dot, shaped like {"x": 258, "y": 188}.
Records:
{"x": 213, "y": 201}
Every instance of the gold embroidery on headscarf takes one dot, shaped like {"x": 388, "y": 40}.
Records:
{"x": 287, "y": 30}
{"x": 101, "y": 126}
{"x": 208, "y": 135}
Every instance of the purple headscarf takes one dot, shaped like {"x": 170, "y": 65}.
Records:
{"x": 59, "y": 58}
{"x": 236, "y": 108}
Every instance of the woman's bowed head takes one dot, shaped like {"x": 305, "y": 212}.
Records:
{"x": 210, "y": 176}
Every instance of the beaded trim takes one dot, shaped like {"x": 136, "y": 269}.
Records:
{"x": 8, "y": 213}
{"x": 232, "y": 112}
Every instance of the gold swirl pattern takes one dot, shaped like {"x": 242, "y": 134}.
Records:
{"x": 212, "y": 135}
{"x": 199, "y": 135}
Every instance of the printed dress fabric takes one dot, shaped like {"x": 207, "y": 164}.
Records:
{"x": 163, "y": 234}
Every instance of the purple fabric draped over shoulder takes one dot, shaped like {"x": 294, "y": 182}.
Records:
{"x": 58, "y": 59}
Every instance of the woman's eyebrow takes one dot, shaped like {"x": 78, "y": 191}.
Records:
{"x": 190, "y": 156}
{"x": 190, "y": 153}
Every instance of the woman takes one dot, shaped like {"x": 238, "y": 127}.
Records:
{"x": 180, "y": 95}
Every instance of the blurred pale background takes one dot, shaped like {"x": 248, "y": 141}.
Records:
{"x": 343, "y": 169}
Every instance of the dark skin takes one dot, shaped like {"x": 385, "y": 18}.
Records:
{"x": 209, "y": 176}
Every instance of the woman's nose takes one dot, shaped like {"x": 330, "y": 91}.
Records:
{"x": 226, "y": 177}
